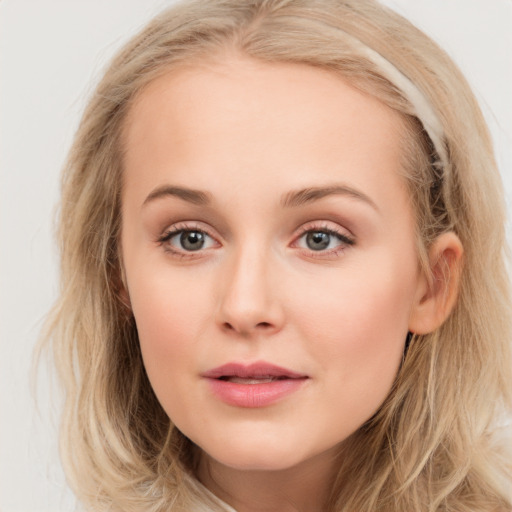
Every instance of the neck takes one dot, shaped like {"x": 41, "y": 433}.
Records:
{"x": 302, "y": 488}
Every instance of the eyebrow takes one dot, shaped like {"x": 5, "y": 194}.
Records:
{"x": 291, "y": 199}
{"x": 310, "y": 194}
{"x": 190, "y": 195}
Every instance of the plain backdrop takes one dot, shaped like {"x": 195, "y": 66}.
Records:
{"x": 51, "y": 54}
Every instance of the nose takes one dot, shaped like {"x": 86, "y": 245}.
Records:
{"x": 249, "y": 304}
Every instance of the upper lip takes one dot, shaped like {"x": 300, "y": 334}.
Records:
{"x": 254, "y": 370}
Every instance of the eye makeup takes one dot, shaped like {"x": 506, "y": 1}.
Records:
{"x": 190, "y": 239}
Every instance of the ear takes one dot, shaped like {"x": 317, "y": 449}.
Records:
{"x": 437, "y": 291}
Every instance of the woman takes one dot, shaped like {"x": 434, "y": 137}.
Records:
{"x": 283, "y": 278}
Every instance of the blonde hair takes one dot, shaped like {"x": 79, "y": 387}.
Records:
{"x": 434, "y": 444}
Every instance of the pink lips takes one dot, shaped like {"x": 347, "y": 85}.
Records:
{"x": 255, "y": 385}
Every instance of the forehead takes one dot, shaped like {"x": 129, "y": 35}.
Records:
{"x": 241, "y": 119}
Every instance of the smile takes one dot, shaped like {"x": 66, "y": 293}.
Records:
{"x": 256, "y": 385}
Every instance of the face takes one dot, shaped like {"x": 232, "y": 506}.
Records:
{"x": 269, "y": 251}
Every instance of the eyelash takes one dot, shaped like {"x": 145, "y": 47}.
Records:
{"x": 178, "y": 229}
{"x": 344, "y": 240}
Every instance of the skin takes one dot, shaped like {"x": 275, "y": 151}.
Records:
{"x": 248, "y": 135}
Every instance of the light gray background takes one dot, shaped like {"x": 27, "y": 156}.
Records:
{"x": 51, "y": 52}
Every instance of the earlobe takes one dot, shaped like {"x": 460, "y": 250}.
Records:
{"x": 438, "y": 291}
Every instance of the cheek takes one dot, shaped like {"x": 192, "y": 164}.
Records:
{"x": 358, "y": 326}
{"x": 170, "y": 312}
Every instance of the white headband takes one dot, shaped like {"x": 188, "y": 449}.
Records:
{"x": 422, "y": 107}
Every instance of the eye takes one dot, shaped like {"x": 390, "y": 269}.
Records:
{"x": 187, "y": 240}
{"x": 191, "y": 240}
{"x": 318, "y": 240}
{"x": 323, "y": 240}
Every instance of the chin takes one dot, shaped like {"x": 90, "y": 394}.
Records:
{"x": 257, "y": 454}
{"x": 249, "y": 461}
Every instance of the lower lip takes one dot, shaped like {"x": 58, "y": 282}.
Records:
{"x": 254, "y": 395}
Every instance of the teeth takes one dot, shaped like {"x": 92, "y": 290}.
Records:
{"x": 261, "y": 380}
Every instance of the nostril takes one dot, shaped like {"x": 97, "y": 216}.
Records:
{"x": 227, "y": 326}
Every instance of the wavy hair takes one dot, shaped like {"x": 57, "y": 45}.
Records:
{"x": 435, "y": 444}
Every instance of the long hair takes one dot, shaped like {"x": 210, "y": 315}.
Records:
{"x": 434, "y": 445}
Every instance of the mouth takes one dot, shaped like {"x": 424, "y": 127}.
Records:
{"x": 256, "y": 385}
{"x": 255, "y": 373}
{"x": 250, "y": 380}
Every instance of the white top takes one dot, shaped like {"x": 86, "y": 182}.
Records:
{"x": 202, "y": 507}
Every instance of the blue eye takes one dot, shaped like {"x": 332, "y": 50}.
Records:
{"x": 318, "y": 240}
{"x": 323, "y": 240}
{"x": 188, "y": 240}
{"x": 192, "y": 240}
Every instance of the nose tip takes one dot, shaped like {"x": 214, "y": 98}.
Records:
{"x": 250, "y": 302}
{"x": 249, "y": 314}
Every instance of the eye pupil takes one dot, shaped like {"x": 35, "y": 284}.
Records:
{"x": 192, "y": 240}
{"x": 318, "y": 240}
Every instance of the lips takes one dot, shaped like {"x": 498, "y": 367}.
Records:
{"x": 249, "y": 380}
{"x": 252, "y": 371}
{"x": 256, "y": 385}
